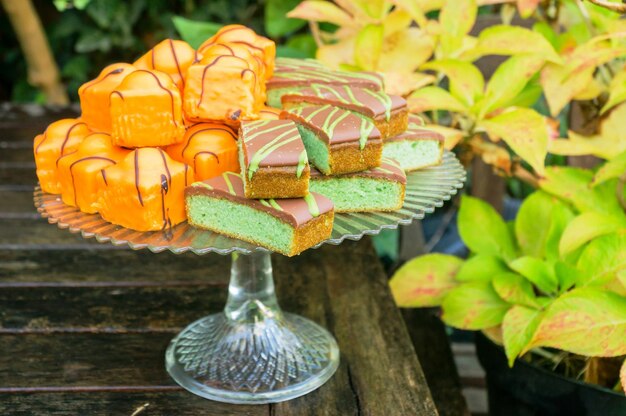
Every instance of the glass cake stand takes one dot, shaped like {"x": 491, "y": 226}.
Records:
{"x": 253, "y": 352}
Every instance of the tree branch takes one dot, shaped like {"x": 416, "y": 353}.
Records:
{"x": 42, "y": 69}
{"x": 616, "y": 7}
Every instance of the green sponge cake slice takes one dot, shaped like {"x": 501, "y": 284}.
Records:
{"x": 378, "y": 189}
{"x": 416, "y": 148}
{"x": 286, "y": 226}
{"x": 336, "y": 140}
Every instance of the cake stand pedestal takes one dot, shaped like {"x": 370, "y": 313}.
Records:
{"x": 253, "y": 352}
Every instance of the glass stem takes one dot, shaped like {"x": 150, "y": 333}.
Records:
{"x": 251, "y": 296}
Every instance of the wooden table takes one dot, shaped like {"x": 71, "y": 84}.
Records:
{"x": 84, "y": 326}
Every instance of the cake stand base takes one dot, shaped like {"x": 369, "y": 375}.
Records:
{"x": 252, "y": 352}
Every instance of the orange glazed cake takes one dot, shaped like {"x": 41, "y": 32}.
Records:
{"x": 222, "y": 88}
{"x": 239, "y": 34}
{"x": 210, "y": 148}
{"x": 60, "y": 138}
{"x": 94, "y": 96}
{"x": 172, "y": 57}
{"x": 146, "y": 111}
{"x": 79, "y": 171}
{"x": 144, "y": 191}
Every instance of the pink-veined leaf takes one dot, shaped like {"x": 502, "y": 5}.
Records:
{"x": 586, "y": 321}
{"x": 525, "y": 131}
{"x": 515, "y": 289}
{"x": 425, "y": 280}
{"x": 473, "y": 306}
{"x": 603, "y": 259}
{"x": 466, "y": 81}
{"x": 457, "y": 18}
{"x": 404, "y": 51}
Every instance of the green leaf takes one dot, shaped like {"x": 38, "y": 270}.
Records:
{"x": 425, "y": 280}
{"x": 515, "y": 289}
{"x": 529, "y": 96}
{"x": 573, "y": 185}
{"x": 540, "y": 223}
{"x": 276, "y": 22}
{"x": 193, "y": 32}
{"x": 537, "y": 272}
{"x": 614, "y": 168}
{"x": 585, "y": 228}
{"x": 304, "y": 45}
{"x": 93, "y": 40}
{"x": 457, "y": 18}
{"x": 508, "y": 81}
{"x": 513, "y": 40}
{"x": 368, "y": 47}
{"x": 518, "y": 327}
{"x": 602, "y": 259}
{"x": 466, "y": 81}
{"x": 482, "y": 229}
{"x": 617, "y": 91}
{"x": 589, "y": 322}
{"x": 413, "y": 8}
{"x": 434, "y": 98}
{"x": 525, "y": 131}
{"x": 567, "y": 275}
{"x": 481, "y": 268}
{"x": 473, "y": 306}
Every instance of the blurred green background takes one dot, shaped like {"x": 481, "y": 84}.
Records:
{"x": 86, "y": 35}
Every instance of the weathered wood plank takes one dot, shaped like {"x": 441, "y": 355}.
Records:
{"x": 108, "y": 268}
{"x": 435, "y": 356}
{"x": 16, "y": 152}
{"x": 127, "y": 403}
{"x": 17, "y": 204}
{"x": 26, "y": 231}
{"x": 22, "y": 176}
{"x": 108, "y": 309}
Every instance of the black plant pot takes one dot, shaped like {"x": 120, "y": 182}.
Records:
{"x": 527, "y": 390}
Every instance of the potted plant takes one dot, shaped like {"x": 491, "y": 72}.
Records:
{"x": 550, "y": 287}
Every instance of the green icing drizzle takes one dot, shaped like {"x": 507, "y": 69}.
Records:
{"x": 302, "y": 162}
{"x": 204, "y": 185}
{"x": 229, "y": 184}
{"x": 364, "y": 132}
{"x": 314, "y": 209}
{"x": 275, "y": 205}
{"x": 384, "y": 99}
{"x": 268, "y": 148}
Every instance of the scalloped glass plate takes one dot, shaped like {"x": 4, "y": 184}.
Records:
{"x": 426, "y": 190}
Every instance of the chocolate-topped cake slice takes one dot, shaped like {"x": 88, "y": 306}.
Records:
{"x": 336, "y": 140}
{"x": 286, "y": 226}
{"x": 378, "y": 189}
{"x": 273, "y": 159}
{"x": 388, "y": 112}
{"x": 291, "y": 75}
{"x": 416, "y": 148}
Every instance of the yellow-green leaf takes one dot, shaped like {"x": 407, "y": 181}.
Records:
{"x": 336, "y": 54}
{"x": 518, "y": 327}
{"x": 466, "y": 81}
{"x": 403, "y": 83}
{"x": 396, "y": 21}
{"x": 515, "y": 289}
{"x": 483, "y": 230}
{"x": 587, "y": 321}
{"x": 602, "y": 260}
{"x": 425, "y": 280}
{"x": 512, "y": 40}
{"x": 368, "y": 47}
{"x": 457, "y": 18}
{"x": 586, "y": 227}
{"x": 614, "y": 168}
{"x": 508, "y": 81}
{"x": 413, "y": 9}
{"x": 434, "y": 98}
{"x": 481, "y": 267}
{"x": 473, "y": 306}
{"x": 525, "y": 131}
{"x": 321, "y": 11}
{"x": 537, "y": 272}
{"x": 404, "y": 51}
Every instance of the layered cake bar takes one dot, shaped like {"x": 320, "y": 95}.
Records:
{"x": 377, "y": 189}
{"x": 416, "y": 148}
{"x": 336, "y": 140}
{"x": 388, "y": 112}
{"x": 273, "y": 159}
{"x": 293, "y": 76}
{"x": 286, "y": 226}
